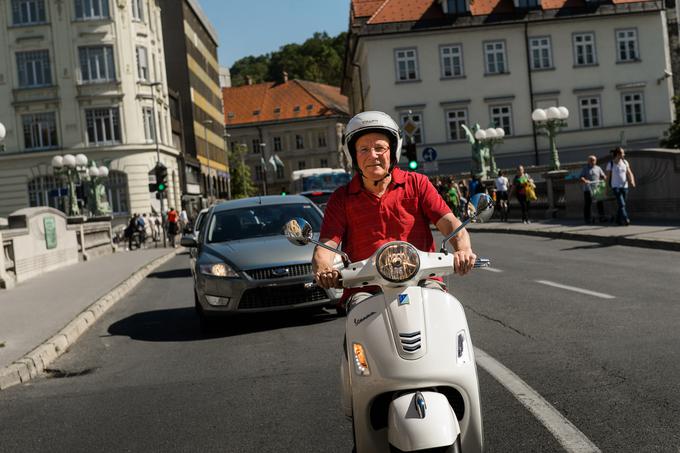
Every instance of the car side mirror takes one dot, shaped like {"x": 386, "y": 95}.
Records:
{"x": 298, "y": 231}
{"x": 188, "y": 240}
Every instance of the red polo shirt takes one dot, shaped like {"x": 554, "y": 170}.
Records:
{"x": 362, "y": 221}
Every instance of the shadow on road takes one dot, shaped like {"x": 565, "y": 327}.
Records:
{"x": 173, "y": 273}
{"x": 587, "y": 247}
{"x": 181, "y": 324}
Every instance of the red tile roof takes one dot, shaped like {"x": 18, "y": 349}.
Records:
{"x": 406, "y": 11}
{"x": 272, "y": 101}
{"x": 365, "y": 8}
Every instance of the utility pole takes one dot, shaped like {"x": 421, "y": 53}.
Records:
{"x": 207, "y": 123}
{"x": 158, "y": 153}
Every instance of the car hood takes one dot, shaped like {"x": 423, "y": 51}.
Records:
{"x": 261, "y": 252}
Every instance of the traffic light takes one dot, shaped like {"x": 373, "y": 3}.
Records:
{"x": 411, "y": 155}
{"x": 161, "y": 177}
{"x": 153, "y": 187}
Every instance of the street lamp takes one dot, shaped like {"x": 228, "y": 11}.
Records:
{"x": 339, "y": 131}
{"x": 207, "y": 123}
{"x": 264, "y": 166}
{"x": 75, "y": 169}
{"x": 551, "y": 121}
{"x": 226, "y": 136}
{"x": 488, "y": 138}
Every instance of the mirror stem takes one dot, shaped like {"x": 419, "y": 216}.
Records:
{"x": 455, "y": 232}
{"x": 345, "y": 258}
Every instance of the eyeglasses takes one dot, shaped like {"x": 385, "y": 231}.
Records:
{"x": 379, "y": 150}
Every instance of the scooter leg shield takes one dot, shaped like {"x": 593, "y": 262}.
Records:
{"x": 432, "y": 425}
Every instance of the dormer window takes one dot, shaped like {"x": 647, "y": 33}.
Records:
{"x": 310, "y": 107}
{"x": 527, "y": 4}
{"x": 256, "y": 112}
{"x": 230, "y": 115}
{"x": 277, "y": 109}
{"x": 296, "y": 108}
{"x": 454, "y": 7}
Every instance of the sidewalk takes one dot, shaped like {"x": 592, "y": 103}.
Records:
{"x": 38, "y": 311}
{"x": 660, "y": 235}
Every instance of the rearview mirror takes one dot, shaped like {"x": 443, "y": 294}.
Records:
{"x": 188, "y": 240}
{"x": 481, "y": 207}
{"x": 298, "y": 231}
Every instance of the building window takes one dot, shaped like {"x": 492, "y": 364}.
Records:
{"x": 527, "y": 4}
{"x": 541, "y": 54}
{"x": 451, "y": 60}
{"x": 454, "y": 124}
{"x": 590, "y": 112}
{"x": 279, "y": 172}
{"x": 407, "y": 64}
{"x": 103, "y": 126}
{"x": 149, "y": 125}
{"x": 96, "y": 64}
{"x": 138, "y": 10}
{"x": 627, "y": 45}
{"x": 40, "y": 131}
{"x": 417, "y": 118}
{"x": 258, "y": 173}
{"x": 456, "y": 6}
{"x": 34, "y": 68}
{"x": 92, "y": 9}
{"x": 301, "y": 165}
{"x": 633, "y": 108}
{"x": 494, "y": 57}
{"x": 257, "y": 146}
{"x": 39, "y": 189}
{"x": 142, "y": 63}
{"x": 322, "y": 139}
{"x": 501, "y": 116}
{"x": 323, "y": 163}
{"x": 117, "y": 190}
{"x": 584, "y": 49}
{"x": 299, "y": 141}
{"x": 277, "y": 143}
{"x": 27, "y": 12}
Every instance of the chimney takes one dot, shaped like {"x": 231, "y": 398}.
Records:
{"x": 249, "y": 80}
{"x": 285, "y": 77}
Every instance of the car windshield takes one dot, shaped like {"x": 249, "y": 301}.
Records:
{"x": 258, "y": 221}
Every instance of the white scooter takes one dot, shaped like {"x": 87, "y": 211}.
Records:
{"x": 408, "y": 373}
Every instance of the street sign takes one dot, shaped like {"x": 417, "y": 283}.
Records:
{"x": 410, "y": 127}
{"x": 50, "y": 232}
{"x": 429, "y": 154}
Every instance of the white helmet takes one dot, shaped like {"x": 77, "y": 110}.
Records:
{"x": 365, "y": 122}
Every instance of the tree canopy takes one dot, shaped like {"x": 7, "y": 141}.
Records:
{"x": 318, "y": 59}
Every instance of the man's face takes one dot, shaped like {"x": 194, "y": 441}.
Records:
{"x": 592, "y": 161}
{"x": 373, "y": 155}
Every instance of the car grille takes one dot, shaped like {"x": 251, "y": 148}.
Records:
{"x": 410, "y": 342}
{"x": 294, "y": 270}
{"x": 278, "y": 296}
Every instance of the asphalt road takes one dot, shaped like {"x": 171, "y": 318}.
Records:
{"x": 145, "y": 379}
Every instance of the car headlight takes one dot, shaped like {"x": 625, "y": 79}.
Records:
{"x": 217, "y": 270}
{"x": 398, "y": 262}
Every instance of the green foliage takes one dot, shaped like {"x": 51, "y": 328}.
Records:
{"x": 241, "y": 180}
{"x": 318, "y": 59}
{"x": 672, "y": 139}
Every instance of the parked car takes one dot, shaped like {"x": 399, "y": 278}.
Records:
{"x": 319, "y": 197}
{"x": 244, "y": 264}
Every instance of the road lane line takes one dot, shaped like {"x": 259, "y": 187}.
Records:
{"x": 575, "y": 289}
{"x": 492, "y": 269}
{"x": 568, "y": 435}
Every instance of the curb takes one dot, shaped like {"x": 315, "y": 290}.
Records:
{"x": 607, "y": 240}
{"x": 36, "y": 361}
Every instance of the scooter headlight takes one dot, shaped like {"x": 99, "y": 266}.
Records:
{"x": 398, "y": 262}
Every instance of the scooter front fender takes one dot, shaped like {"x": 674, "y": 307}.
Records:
{"x": 434, "y": 425}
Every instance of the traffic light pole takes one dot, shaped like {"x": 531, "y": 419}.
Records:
{"x": 158, "y": 156}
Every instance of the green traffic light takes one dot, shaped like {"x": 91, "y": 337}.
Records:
{"x": 413, "y": 165}
{"x": 161, "y": 187}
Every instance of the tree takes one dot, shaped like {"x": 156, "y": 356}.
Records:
{"x": 318, "y": 59}
{"x": 672, "y": 139}
{"x": 241, "y": 181}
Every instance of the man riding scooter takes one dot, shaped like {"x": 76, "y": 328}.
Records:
{"x": 382, "y": 203}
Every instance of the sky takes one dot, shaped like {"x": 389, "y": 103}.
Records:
{"x": 257, "y": 27}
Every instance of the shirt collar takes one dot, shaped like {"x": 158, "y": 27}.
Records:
{"x": 398, "y": 178}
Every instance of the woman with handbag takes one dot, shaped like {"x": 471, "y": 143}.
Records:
{"x": 523, "y": 187}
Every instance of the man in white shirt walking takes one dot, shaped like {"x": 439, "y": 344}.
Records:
{"x": 620, "y": 176}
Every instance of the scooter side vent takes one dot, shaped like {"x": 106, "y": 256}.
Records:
{"x": 410, "y": 342}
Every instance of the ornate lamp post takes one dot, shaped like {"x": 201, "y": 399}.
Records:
{"x": 74, "y": 168}
{"x": 207, "y": 123}
{"x": 225, "y": 136}
{"x": 551, "y": 121}
{"x": 342, "y": 160}
{"x": 488, "y": 138}
{"x": 97, "y": 193}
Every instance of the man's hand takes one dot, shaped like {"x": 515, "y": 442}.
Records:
{"x": 328, "y": 278}
{"x": 463, "y": 261}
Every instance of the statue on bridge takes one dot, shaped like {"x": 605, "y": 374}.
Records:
{"x": 480, "y": 153}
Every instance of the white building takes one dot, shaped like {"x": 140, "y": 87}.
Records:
{"x": 74, "y": 79}
{"x": 454, "y": 62}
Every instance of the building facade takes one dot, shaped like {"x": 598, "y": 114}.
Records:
{"x": 493, "y": 62}
{"x": 194, "y": 76}
{"x": 76, "y": 79}
{"x": 296, "y": 123}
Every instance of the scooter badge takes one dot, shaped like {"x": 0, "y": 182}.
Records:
{"x": 403, "y": 299}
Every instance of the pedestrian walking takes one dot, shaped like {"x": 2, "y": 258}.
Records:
{"x": 453, "y": 197}
{"x": 501, "y": 184}
{"x": 620, "y": 178}
{"x": 593, "y": 180}
{"x": 521, "y": 184}
{"x": 173, "y": 217}
{"x": 183, "y": 221}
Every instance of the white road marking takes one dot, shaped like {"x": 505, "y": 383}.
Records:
{"x": 492, "y": 269}
{"x": 575, "y": 289}
{"x": 568, "y": 435}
